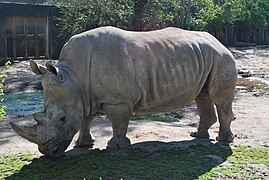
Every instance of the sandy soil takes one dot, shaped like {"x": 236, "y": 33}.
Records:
{"x": 250, "y": 106}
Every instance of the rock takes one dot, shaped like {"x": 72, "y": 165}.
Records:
{"x": 246, "y": 73}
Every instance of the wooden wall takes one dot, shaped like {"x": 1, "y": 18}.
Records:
{"x": 27, "y": 37}
{"x": 27, "y": 31}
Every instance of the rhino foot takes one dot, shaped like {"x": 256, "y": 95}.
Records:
{"x": 228, "y": 137}
{"x": 199, "y": 134}
{"x": 116, "y": 142}
{"x": 84, "y": 142}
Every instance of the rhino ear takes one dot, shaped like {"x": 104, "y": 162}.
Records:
{"x": 52, "y": 68}
{"x": 38, "y": 69}
{"x": 60, "y": 75}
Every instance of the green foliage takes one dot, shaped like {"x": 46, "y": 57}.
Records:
{"x": 2, "y": 80}
{"x": 210, "y": 14}
{"x": 252, "y": 13}
{"x": 200, "y": 161}
{"x": 215, "y": 16}
{"x": 76, "y": 17}
{"x": 160, "y": 13}
{"x": 203, "y": 13}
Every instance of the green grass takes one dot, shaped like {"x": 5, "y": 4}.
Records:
{"x": 201, "y": 161}
{"x": 10, "y": 164}
{"x": 241, "y": 163}
{"x": 153, "y": 117}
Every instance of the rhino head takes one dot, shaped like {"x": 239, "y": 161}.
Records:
{"x": 63, "y": 111}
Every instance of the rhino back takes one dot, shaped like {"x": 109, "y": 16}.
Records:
{"x": 152, "y": 71}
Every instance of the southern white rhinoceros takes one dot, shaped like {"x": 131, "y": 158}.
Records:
{"x": 120, "y": 72}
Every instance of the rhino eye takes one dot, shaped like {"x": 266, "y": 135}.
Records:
{"x": 63, "y": 120}
{"x": 60, "y": 77}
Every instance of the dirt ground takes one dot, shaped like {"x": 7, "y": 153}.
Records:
{"x": 250, "y": 107}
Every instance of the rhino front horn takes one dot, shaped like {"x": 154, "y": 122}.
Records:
{"x": 28, "y": 133}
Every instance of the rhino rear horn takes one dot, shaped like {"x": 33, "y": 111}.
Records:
{"x": 38, "y": 69}
{"x": 28, "y": 133}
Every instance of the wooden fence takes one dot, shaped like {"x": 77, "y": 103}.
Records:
{"x": 238, "y": 36}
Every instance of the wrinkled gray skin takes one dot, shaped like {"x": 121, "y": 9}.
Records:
{"x": 120, "y": 72}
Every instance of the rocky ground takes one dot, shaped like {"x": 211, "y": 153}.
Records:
{"x": 250, "y": 106}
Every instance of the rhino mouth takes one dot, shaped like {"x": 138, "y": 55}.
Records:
{"x": 54, "y": 148}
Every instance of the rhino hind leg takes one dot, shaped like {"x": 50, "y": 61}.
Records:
{"x": 225, "y": 115}
{"x": 85, "y": 138}
{"x": 119, "y": 115}
{"x": 206, "y": 111}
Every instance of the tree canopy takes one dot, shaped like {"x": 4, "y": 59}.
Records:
{"x": 229, "y": 18}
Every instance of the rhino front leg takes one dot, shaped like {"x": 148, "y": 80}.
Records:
{"x": 85, "y": 138}
{"x": 119, "y": 115}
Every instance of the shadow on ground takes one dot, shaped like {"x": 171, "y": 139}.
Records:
{"x": 146, "y": 160}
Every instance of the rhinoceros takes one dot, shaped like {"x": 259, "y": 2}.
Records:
{"x": 120, "y": 72}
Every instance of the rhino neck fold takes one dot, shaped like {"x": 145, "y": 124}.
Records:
{"x": 81, "y": 75}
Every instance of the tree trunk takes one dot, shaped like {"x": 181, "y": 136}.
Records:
{"x": 137, "y": 22}
{"x": 182, "y": 13}
{"x": 186, "y": 22}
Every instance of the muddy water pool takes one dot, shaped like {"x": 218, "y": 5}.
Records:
{"x": 23, "y": 103}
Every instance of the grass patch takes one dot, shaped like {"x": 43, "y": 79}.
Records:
{"x": 201, "y": 161}
{"x": 242, "y": 164}
{"x": 10, "y": 164}
{"x": 251, "y": 84}
{"x": 153, "y": 117}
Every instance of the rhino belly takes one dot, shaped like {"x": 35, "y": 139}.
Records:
{"x": 166, "y": 102}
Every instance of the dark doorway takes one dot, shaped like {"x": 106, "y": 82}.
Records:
{"x": 27, "y": 37}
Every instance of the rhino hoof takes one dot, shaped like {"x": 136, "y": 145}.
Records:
{"x": 225, "y": 137}
{"x": 116, "y": 143}
{"x": 199, "y": 134}
{"x": 88, "y": 144}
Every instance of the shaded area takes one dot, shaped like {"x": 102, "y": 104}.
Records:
{"x": 173, "y": 160}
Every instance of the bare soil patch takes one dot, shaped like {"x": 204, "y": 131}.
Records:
{"x": 250, "y": 107}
